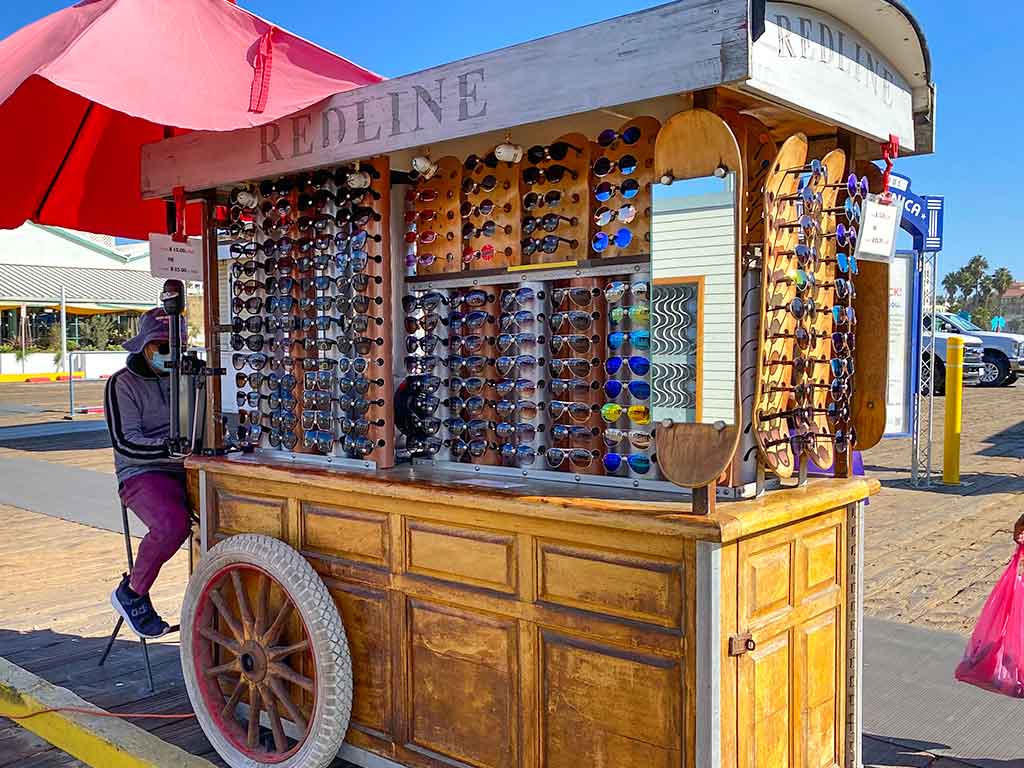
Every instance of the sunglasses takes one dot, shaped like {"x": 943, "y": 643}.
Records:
{"x": 505, "y": 430}
{"x": 625, "y": 165}
{"x": 578, "y": 412}
{"x": 488, "y": 184}
{"x": 473, "y": 385}
{"x": 471, "y": 406}
{"x": 359, "y": 447}
{"x": 557, "y": 151}
{"x": 510, "y": 321}
{"x": 609, "y": 136}
{"x": 472, "y": 428}
{"x": 638, "y": 462}
{"x": 580, "y": 297}
{"x": 427, "y": 343}
{"x": 519, "y": 297}
{"x": 640, "y": 390}
{"x": 518, "y": 387}
{"x": 563, "y": 432}
{"x": 638, "y": 414}
{"x": 484, "y": 208}
{"x": 574, "y": 366}
{"x": 426, "y": 323}
{"x": 507, "y": 364}
{"x": 573, "y": 342}
{"x": 522, "y": 409}
{"x": 547, "y": 244}
{"x": 518, "y": 454}
{"x": 639, "y": 366}
{"x": 576, "y": 319}
{"x": 640, "y": 339}
{"x": 614, "y": 292}
{"x": 637, "y": 438}
{"x": 283, "y": 440}
{"x": 507, "y": 342}
{"x": 577, "y": 388}
{"x": 553, "y": 174}
{"x": 549, "y": 199}
{"x": 577, "y": 457}
{"x": 798, "y": 307}
{"x": 471, "y": 365}
{"x": 312, "y": 419}
{"x": 549, "y": 223}
{"x": 474, "y": 448}
{"x": 605, "y": 191}
{"x": 474, "y": 320}
{"x": 603, "y": 241}
{"x": 604, "y": 216}
{"x": 423, "y": 383}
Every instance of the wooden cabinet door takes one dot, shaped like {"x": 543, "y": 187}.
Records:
{"x": 791, "y": 598}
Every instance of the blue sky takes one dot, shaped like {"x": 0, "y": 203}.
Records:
{"x": 977, "y": 166}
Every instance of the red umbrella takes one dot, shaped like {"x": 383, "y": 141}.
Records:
{"x": 82, "y": 90}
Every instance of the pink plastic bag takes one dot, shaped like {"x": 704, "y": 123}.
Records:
{"x": 994, "y": 657}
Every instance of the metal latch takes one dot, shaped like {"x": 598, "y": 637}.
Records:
{"x": 741, "y": 643}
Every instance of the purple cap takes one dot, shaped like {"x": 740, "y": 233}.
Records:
{"x": 155, "y": 325}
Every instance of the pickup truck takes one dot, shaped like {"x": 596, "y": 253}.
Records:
{"x": 1003, "y": 352}
{"x": 973, "y": 360}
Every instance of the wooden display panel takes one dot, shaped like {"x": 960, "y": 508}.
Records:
{"x": 822, "y": 451}
{"x": 380, "y": 357}
{"x": 644, "y": 151}
{"x": 447, "y": 223}
{"x": 782, "y": 182}
{"x": 507, "y": 236}
{"x": 758, "y": 150}
{"x": 575, "y": 203}
{"x": 693, "y": 144}
{"x": 872, "y": 355}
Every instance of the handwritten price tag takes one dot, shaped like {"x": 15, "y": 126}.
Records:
{"x": 877, "y": 236}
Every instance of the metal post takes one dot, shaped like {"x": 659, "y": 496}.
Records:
{"x": 23, "y": 326}
{"x": 954, "y": 410}
{"x": 64, "y": 356}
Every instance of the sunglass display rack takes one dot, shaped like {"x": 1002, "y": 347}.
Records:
{"x": 808, "y": 326}
{"x": 321, "y": 314}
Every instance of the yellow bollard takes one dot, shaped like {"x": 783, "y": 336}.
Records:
{"x": 954, "y": 410}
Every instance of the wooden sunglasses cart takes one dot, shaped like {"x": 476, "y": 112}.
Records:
{"x": 446, "y": 594}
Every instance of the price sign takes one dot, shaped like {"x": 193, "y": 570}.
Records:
{"x": 178, "y": 261}
{"x": 879, "y": 222}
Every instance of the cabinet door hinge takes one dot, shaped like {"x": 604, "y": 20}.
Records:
{"x": 741, "y": 643}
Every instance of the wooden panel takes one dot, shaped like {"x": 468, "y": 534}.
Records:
{"x": 575, "y": 204}
{"x": 872, "y": 356}
{"x": 765, "y": 716}
{"x": 765, "y": 580}
{"x": 446, "y": 222}
{"x": 463, "y": 689}
{"x": 667, "y": 50}
{"x": 816, "y": 661}
{"x": 248, "y": 514}
{"x": 602, "y": 706}
{"x": 365, "y": 615}
{"x": 632, "y": 588}
{"x": 506, "y": 215}
{"x": 345, "y": 533}
{"x": 817, "y": 562}
{"x": 478, "y": 558}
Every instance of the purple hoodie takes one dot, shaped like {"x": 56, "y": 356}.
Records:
{"x": 138, "y": 412}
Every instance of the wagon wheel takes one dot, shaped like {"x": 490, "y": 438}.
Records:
{"x": 264, "y": 655}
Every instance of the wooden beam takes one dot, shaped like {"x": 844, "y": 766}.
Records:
{"x": 674, "y": 48}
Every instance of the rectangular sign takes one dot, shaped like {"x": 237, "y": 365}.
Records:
{"x": 674, "y": 48}
{"x": 901, "y": 356}
{"x": 880, "y": 222}
{"x": 816, "y": 64}
{"x": 176, "y": 261}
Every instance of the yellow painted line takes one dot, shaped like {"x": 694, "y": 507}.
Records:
{"x": 550, "y": 265}
{"x": 22, "y": 377}
{"x": 103, "y": 742}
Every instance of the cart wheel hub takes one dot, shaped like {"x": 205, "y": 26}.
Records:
{"x": 253, "y": 660}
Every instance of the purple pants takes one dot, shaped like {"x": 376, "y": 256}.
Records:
{"x": 158, "y": 500}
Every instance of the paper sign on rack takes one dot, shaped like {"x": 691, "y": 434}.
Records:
{"x": 880, "y": 220}
{"x": 178, "y": 261}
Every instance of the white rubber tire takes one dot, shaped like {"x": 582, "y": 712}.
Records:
{"x": 330, "y": 719}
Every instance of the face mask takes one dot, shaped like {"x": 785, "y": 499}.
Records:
{"x": 159, "y": 363}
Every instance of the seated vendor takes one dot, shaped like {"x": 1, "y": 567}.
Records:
{"x": 151, "y": 481}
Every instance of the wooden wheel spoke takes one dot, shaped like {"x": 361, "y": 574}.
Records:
{"x": 232, "y": 702}
{"x": 243, "y": 602}
{"x": 252, "y": 737}
{"x": 262, "y": 596}
{"x": 223, "y": 640}
{"x": 279, "y": 623}
{"x": 222, "y": 669}
{"x": 226, "y": 616}
{"x": 281, "y": 651}
{"x": 280, "y": 740}
{"x": 287, "y": 673}
{"x": 282, "y": 696}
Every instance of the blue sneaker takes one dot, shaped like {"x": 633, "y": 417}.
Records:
{"x": 138, "y": 611}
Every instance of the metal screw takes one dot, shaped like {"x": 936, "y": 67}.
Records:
{"x": 667, "y": 423}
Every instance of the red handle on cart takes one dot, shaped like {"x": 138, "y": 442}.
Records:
{"x": 179, "y": 236}
{"x": 890, "y": 151}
